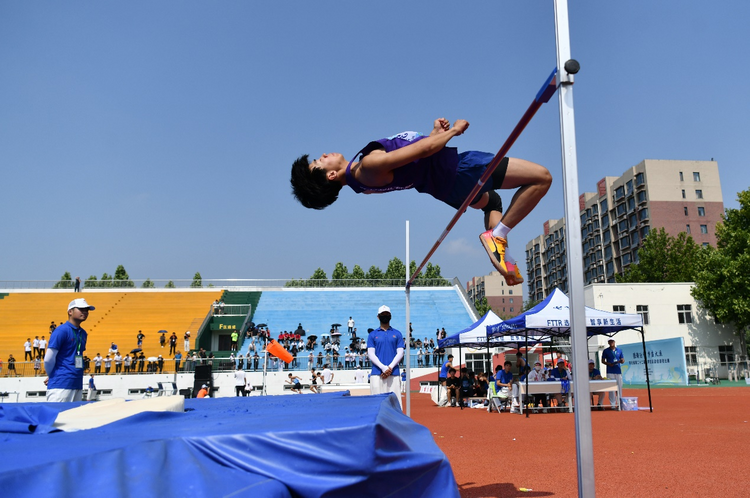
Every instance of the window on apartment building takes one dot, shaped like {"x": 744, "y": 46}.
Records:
{"x": 595, "y": 209}
{"x": 620, "y": 209}
{"x": 681, "y": 178}
{"x": 704, "y": 229}
{"x": 691, "y": 356}
{"x": 684, "y": 313}
{"x": 726, "y": 354}
{"x": 622, "y": 226}
{"x": 510, "y": 300}
{"x": 687, "y": 229}
{"x": 626, "y": 259}
{"x": 607, "y": 237}
{"x": 510, "y": 292}
{"x": 686, "y": 210}
{"x": 610, "y": 268}
{"x": 619, "y": 192}
{"x": 705, "y": 244}
{"x": 641, "y": 196}
{"x": 642, "y": 309}
{"x": 632, "y": 220}
{"x": 698, "y": 194}
{"x": 683, "y": 193}
{"x": 618, "y": 308}
{"x": 639, "y": 179}
{"x": 629, "y": 186}
{"x": 701, "y": 211}
{"x": 634, "y": 238}
{"x": 631, "y": 204}
{"x": 625, "y": 242}
{"x": 696, "y": 176}
{"x": 608, "y": 252}
{"x": 605, "y": 221}
{"x": 643, "y": 214}
{"x": 604, "y": 206}
{"x": 644, "y": 232}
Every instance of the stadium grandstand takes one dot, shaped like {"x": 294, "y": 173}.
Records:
{"x": 119, "y": 315}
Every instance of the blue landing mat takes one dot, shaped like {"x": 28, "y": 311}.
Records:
{"x": 327, "y": 445}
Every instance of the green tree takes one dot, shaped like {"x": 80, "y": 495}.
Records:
{"x": 197, "y": 280}
{"x": 106, "y": 280}
{"x": 722, "y": 279}
{"x": 148, "y": 284}
{"x": 664, "y": 258}
{"x": 170, "y": 285}
{"x": 122, "y": 279}
{"x": 412, "y": 268}
{"x": 65, "y": 282}
{"x": 358, "y": 275}
{"x": 482, "y": 306}
{"x": 91, "y": 282}
{"x": 340, "y": 272}
{"x": 375, "y": 275}
{"x": 396, "y": 272}
{"x": 319, "y": 274}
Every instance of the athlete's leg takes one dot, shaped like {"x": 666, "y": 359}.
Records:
{"x": 532, "y": 181}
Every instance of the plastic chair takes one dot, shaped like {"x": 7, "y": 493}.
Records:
{"x": 499, "y": 400}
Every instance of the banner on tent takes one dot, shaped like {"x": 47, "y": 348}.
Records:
{"x": 666, "y": 362}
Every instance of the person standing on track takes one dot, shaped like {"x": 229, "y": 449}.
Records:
{"x": 411, "y": 160}
{"x": 63, "y": 360}
{"x": 385, "y": 348}
{"x": 613, "y": 358}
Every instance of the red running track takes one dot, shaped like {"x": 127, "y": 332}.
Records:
{"x": 695, "y": 443}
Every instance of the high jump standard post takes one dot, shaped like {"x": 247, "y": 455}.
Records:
{"x": 543, "y": 96}
{"x": 584, "y": 438}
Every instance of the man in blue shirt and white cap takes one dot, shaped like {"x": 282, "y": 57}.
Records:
{"x": 385, "y": 348}
{"x": 63, "y": 360}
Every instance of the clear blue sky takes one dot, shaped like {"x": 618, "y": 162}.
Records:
{"x": 160, "y": 135}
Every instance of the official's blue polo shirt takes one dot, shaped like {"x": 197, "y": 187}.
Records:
{"x": 385, "y": 342}
{"x": 68, "y": 341}
{"x": 593, "y": 373}
{"x": 610, "y": 356}
{"x": 557, "y": 374}
{"x": 504, "y": 377}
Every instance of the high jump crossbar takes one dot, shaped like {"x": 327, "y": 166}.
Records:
{"x": 542, "y": 97}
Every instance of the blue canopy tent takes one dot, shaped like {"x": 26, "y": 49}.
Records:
{"x": 551, "y": 318}
{"x": 476, "y": 336}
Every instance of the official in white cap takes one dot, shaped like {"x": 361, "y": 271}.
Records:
{"x": 63, "y": 360}
{"x": 385, "y": 348}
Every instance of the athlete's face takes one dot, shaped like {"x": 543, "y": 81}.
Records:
{"x": 328, "y": 162}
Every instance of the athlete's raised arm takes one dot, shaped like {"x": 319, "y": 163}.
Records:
{"x": 377, "y": 166}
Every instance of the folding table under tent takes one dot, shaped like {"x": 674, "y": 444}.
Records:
{"x": 551, "y": 318}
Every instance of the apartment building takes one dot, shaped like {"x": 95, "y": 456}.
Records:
{"x": 505, "y": 300}
{"x": 680, "y": 196}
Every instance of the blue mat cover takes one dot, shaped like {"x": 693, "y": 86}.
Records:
{"x": 327, "y": 445}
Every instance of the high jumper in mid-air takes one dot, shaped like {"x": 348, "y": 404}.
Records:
{"x": 412, "y": 160}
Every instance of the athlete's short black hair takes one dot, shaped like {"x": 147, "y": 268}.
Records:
{"x": 311, "y": 187}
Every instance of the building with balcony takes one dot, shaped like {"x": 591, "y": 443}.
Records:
{"x": 680, "y": 196}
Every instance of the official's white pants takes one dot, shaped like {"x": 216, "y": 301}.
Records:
{"x": 392, "y": 384}
{"x": 618, "y": 378}
{"x": 64, "y": 395}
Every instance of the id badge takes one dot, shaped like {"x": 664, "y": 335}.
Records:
{"x": 79, "y": 361}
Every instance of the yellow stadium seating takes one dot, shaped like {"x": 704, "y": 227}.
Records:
{"x": 118, "y": 318}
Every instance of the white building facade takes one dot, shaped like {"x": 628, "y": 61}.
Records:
{"x": 670, "y": 311}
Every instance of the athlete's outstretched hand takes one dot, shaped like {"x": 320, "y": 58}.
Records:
{"x": 460, "y": 126}
{"x": 440, "y": 125}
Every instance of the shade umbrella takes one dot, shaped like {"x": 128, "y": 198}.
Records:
{"x": 152, "y": 359}
{"x": 335, "y": 325}
{"x": 262, "y": 325}
{"x": 163, "y": 332}
{"x": 312, "y": 337}
{"x": 136, "y": 350}
{"x": 337, "y": 333}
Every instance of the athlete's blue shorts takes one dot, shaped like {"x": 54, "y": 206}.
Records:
{"x": 471, "y": 166}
